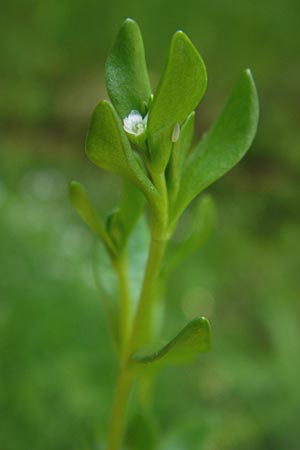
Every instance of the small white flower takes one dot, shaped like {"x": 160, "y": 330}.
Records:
{"x": 134, "y": 123}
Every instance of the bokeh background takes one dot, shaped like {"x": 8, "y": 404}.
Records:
{"x": 57, "y": 365}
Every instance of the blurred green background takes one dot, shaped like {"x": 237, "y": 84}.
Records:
{"x": 57, "y": 366}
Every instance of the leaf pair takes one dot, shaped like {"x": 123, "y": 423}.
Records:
{"x": 115, "y": 232}
{"x": 180, "y": 89}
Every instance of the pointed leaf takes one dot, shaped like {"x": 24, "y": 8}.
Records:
{"x": 194, "y": 338}
{"x": 224, "y": 144}
{"x": 126, "y": 72}
{"x": 180, "y": 90}
{"x": 107, "y": 146}
{"x": 85, "y": 209}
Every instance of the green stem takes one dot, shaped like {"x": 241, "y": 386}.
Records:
{"x": 142, "y": 325}
{"x": 121, "y": 267}
{"x": 160, "y": 209}
{"x": 141, "y": 332}
{"x": 141, "y": 328}
{"x": 117, "y": 420}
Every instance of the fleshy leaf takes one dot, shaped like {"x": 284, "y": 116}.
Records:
{"x": 126, "y": 72}
{"x": 201, "y": 226}
{"x": 225, "y": 143}
{"x": 85, "y": 209}
{"x": 180, "y": 89}
{"x": 193, "y": 339}
{"x": 107, "y": 146}
{"x": 122, "y": 221}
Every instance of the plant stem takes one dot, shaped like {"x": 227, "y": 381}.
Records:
{"x": 117, "y": 420}
{"x": 141, "y": 332}
{"x": 121, "y": 267}
{"x": 142, "y": 325}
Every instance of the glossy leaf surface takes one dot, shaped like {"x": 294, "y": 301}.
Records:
{"x": 180, "y": 89}
{"x": 126, "y": 72}
{"x": 107, "y": 146}
{"x": 225, "y": 143}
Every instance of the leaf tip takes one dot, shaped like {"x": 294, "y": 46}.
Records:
{"x": 247, "y": 73}
{"x": 250, "y": 78}
{"x": 180, "y": 37}
{"x": 202, "y": 323}
{"x": 179, "y": 34}
{"x": 129, "y": 20}
{"x": 129, "y": 23}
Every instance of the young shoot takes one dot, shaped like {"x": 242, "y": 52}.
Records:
{"x": 146, "y": 138}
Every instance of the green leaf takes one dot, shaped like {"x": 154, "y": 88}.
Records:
{"x": 85, "y": 209}
{"x": 126, "y": 72}
{"x": 179, "y": 153}
{"x": 197, "y": 232}
{"x": 107, "y": 146}
{"x": 180, "y": 89}
{"x": 122, "y": 221}
{"x": 193, "y": 339}
{"x": 224, "y": 144}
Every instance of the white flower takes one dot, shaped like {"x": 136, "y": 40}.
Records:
{"x": 134, "y": 123}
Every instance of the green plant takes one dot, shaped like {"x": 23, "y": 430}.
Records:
{"x": 147, "y": 140}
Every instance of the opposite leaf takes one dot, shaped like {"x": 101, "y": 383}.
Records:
{"x": 107, "y": 146}
{"x": 193, "y": 339}
{"x": 224, "y": 144}
{"x": 126, "y": 72}
{"x": 181, "y": 88}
